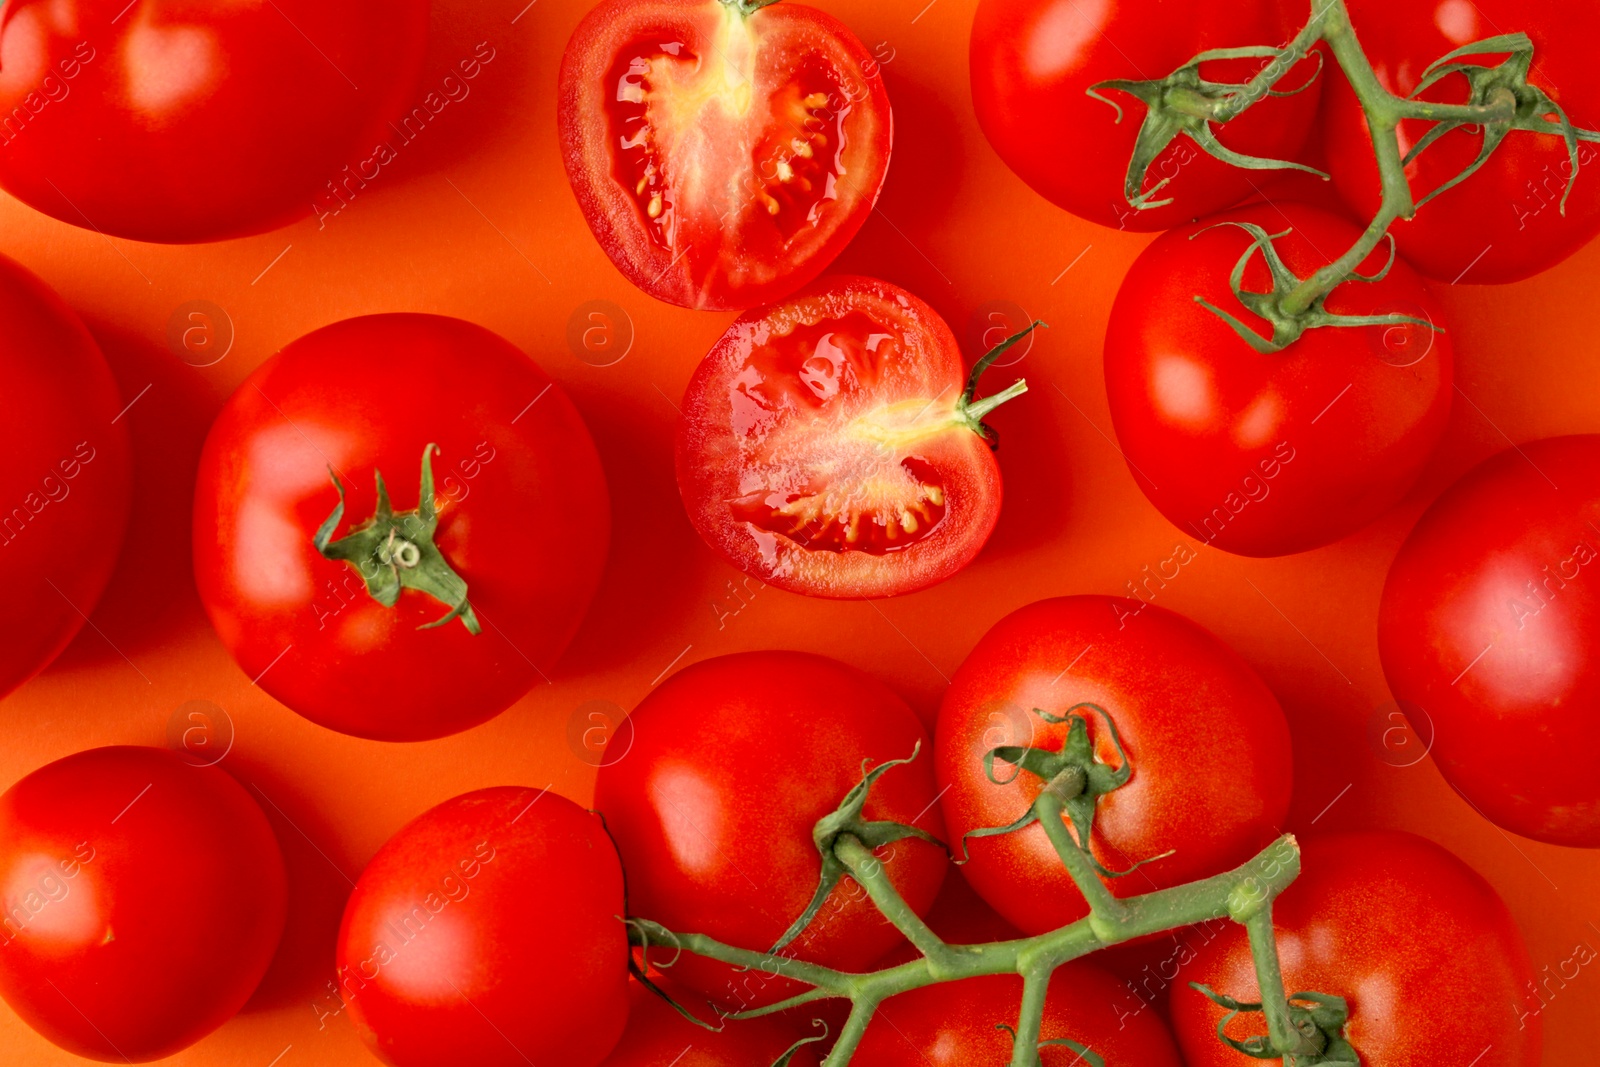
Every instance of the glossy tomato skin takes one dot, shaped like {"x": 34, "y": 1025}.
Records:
{"x": 1270, "y": 454}
{"x": 733, "y": 762}
{"x": 845, "y": 393}
{"x": 523, "y": 518}
{"x": 753, "y": 147}
{"x": 181, "y": 121}
{"x": 487, "y": 931}
{"x": 1209, "y": 745}
{"x": 1490, "y": 637}
{"x": 66, "y": 481}
{"x": 1398, "y": 926}
{"x": 1033, "y": 62}
{"x": 657, "y": 1036}
{"x": 1504, "y": 223}
{"x": 957, "y": 1024}
{"x": 144, "y": 898}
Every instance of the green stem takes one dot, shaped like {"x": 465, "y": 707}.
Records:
{"x": 855, "y": 1028}
{"x": 1105, "y": 910}
{"x": 1269, "y": 975}
{"x": 1257, "y": 88}
{"x": 871, "y": 874}
{"x": 1030, "y": 1017}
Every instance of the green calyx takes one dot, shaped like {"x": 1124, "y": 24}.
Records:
{"x": 1318, "y": 1021}
{"x": 746, "y": 8}
{"x": 974, "y": 411}
{"x": 395, "y": 550}
{"x": 1086, "y": 1055}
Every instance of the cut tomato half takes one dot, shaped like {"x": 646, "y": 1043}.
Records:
{"x": 722, "y": 158}
{"x": 828, "y": 445}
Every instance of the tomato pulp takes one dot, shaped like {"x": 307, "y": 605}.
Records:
{"x": 520, "y": 504}
{"x": 1490, "y": 636}
{"x": 826, "y": 446}
{"x": 722, "y": 159}
{"x": 177, "y": 121}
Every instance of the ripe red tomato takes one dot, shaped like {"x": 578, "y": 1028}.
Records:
{"x": 488, "y": 931}
{"x": 173, "y": 120}
{"x": 522, "y": 518}
{"x": 1033, "y": 62}
{"x": 65, "y": 485}
{"x": 826, "y": 447}
{"x": 1504, "y": 223}
{"x": 144, "y": 898}
{"x": 1212, "y": 769}
{"x": 1398, "y": 927}
{"x": 657, "y": 1036}
{"x": 733, "y": 762}
{"x": 1268, "y": 454}
{"x": 957, "y": 1024}
{"x": 1490, "y": 637}
{"x": 722, "y": 159}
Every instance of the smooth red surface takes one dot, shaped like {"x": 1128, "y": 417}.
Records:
{"x": 658, "y": 1035}
{"x": 487, "y": 931}
{"x": 725, "y": 771}
{"x": 821, "y": 449}
{"x": 1425, "y": 952}
{"x": 522, "y": 510}
{"x": 1490, "y": 632}
{"x": 1506, "y": 222}
{"x": 1268, "y": 454}
{"x": 66, "y": 480}
{"x": 1210, "y": 751}
{"x": 144, "y": 898}
{"x": 762, "y": 141}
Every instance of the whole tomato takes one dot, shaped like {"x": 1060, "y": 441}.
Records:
{"x": 1264, "y": 454}
{"x": 488, "y": 931}
{"x": 1034, "y": 61}
{"x": 418, "y": 622}
{"x": 184, "y": 120}
{"x": 1490, "y": 636}
{"x": 657, "y": 1036}
{"x": 1399, "y": 928}
{"x": 143, "y": 900}
{"x": 1505, "y": 222}
{"x": 1207, "y": 741}
{"x": 722, "y": 153}
{"x": 733, "y": 762}
{"x": 959, "y": 1024}
{"x": 65, "y": 486}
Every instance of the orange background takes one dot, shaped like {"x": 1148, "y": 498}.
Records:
{"x": 476, "y": 220}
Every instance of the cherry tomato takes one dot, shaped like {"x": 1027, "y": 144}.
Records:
{"x": 488, "y": 931}
{"x": 1398, "y": 927}
{"x": 144, "y": 898}
{"x": 1033, "y": 62}
{"x": 65, "y": 485}
{"x": 1505, "y": 222}
{"x": 177, "y": 120}
{"x": 1490, "y": 637}
{"x": 1268, "y": 454}
{"x": 657, "y": 1036}
{"x": 521, "y": 510}
{"x": 733, "y": 762}
{"x": 958, "y": 1024}
{"x": 826, "y": 446}
{"x": 722, "y": 159}
{"x": 1212, "y": 769}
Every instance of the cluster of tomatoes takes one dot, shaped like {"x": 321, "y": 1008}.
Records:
{"x": 376, "y": 505}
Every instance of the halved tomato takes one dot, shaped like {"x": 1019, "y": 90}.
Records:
{"x": 827, "y": 445}
{"x": 722, "y": 156}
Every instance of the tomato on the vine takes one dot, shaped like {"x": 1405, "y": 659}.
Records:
{"x": 1505, "y": 222}
{"x": 170, "y": 120}
{"x": 657, "y": 1036}
{"x": 1033, "y": 62}
{"x": 722, "y": 156}
{"x": 732, "y": 763}
{"x": 1208, "y": 745}
{"x": 409, "y": 615}
{"x": 143, "y": 898}
{"x": 488, "y": 931}
{"x": 1490, "y": 636}
{"x": 65, "y": 486}
{"x": 1264, "y": 454}
{"x": 1423, "y": 950}
{"x": 827, "y": 446}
